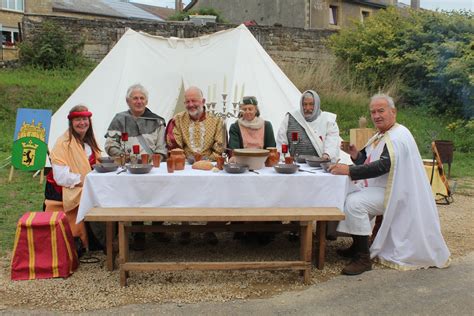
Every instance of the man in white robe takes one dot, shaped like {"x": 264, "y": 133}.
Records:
{"x": 316, "y": 134}
{"x": 316, "y": 131}
{"x": 394, "y": 185}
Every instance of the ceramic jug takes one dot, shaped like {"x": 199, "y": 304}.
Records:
{"x": 179, "y": 158}
{"x": 273, "y": 157}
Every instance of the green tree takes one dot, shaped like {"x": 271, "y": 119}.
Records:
{"x": 51, "y": 47}
{"x": 431, "y": 53}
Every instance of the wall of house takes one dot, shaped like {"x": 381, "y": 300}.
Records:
{"x": 285, "y": 12}
{"x": 347, "y": 14}
{"x": 8, "y": 53}
{"x": 39, "y": 6}
{"x": 284, "y": 44}
{"x": 10, "y": 18}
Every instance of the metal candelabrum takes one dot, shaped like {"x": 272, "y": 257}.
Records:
{"x": 225, "y": 113}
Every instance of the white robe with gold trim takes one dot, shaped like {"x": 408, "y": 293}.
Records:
{"x": 410, "y": 235}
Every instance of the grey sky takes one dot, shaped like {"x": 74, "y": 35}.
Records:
{"x": 427, "y": 4}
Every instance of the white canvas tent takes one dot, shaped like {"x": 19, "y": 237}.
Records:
{"x": 166, "y": 66}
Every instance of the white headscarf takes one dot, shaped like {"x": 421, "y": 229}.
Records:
{"x": 317, "y": 105}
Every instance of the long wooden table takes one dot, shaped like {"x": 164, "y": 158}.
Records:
{"x": 303, "y": 216}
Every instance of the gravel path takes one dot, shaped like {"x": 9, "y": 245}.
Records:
{"x": 92, "y": 287}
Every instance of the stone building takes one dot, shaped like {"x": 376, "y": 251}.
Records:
{"x": 307, "y": 14}
{"x": 12, "y": 12}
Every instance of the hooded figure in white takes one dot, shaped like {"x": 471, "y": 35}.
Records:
{"x": 310, "y": 131}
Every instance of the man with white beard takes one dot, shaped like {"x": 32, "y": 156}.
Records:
{"x": 196, "y": 132}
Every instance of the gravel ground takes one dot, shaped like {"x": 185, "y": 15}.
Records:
{"x": 92, "y": 287}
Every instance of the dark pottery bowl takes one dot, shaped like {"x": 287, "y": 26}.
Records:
{"x": 314, "y": 161}
{"x": 235, "y": 168}
{"x": 286, "y": 168}
{"x": 302, "y": 158}
{"x": 139, "y": 168}
{"x": 106, "y": 159}
{"x": 105, "y": 167}
{"x": 325, "y": 165}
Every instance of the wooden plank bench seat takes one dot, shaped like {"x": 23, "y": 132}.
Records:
{"x": 304, "y": 216}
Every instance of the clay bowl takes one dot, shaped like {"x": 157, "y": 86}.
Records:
{"x": 235, "y": 168}
{"x": 325, "y": 165}
{"x": 139, "y": 168}
{"x": 105, "y": 167}
{"x": 302, "y": 158}
{"x": 314, "y": 161}
{"x": 253, "y": 158}
{"x": 286, "y": 168}
{"x": 106, "y": 159}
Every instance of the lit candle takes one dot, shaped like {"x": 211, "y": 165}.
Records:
{"x": 236, "y": 90}
{"x": 294, "y": 136}
{"x": 242, "y": 92}
{"x": 209, "y": 93}
{"x": 225, "y": 84}
{"x": 136, "y": 149}
{"x": 214, "y": 93}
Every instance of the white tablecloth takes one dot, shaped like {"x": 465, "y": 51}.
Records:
{"x": 197, "y": 188}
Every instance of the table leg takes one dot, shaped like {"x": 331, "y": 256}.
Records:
{"x": 109, "y": 238}
{"x": 306, "y": 241}
{"x": 321, "y": 228}
{"x": 123, "y": 252}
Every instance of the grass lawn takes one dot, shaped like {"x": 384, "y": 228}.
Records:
{"x": 33, "y": 88}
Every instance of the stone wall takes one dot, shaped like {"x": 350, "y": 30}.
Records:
{"x": 284, "y": 44}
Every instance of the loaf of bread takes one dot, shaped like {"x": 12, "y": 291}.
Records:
{"x": 203, "y": 165}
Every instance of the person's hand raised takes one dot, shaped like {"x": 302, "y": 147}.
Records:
{"x": 353, "y": 151}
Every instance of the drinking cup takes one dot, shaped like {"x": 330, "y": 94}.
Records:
{"x": 170, "y": 165}
{"x": 197, "y": 157}
{"x": 145, "y": 158}
{"x": 156, "y": 160}
{"x": 220, "y": 162}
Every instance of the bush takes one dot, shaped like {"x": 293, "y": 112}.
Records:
{"x": 183, "y": 16}
{"x": 51, "y": 48}
{"x": 431, "y": 53}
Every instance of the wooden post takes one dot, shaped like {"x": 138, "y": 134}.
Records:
{"x": 109, "y": 238}
{"x": 10, "y": 177}
{"x": 360, "y": 136}
{"x": 42, "y": 176}
{"x": 321, "y": 231}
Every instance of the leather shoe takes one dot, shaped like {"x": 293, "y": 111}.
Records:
{"x": 348, "y": 252}
{"x": 358, "y": 265}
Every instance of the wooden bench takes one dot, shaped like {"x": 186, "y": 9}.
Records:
{"x": 303, "y": 216}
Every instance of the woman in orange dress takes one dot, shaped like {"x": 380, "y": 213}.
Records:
{"x": 72, "y": 158}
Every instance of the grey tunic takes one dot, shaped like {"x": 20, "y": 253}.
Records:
{"x": 149, "y": 125}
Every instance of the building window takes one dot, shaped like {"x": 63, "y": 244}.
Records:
{"x": 10, "y": 36}
{"x": 333, "y": 15}
{"x": 16, "y": 5}
{"x": 364, "y": 15}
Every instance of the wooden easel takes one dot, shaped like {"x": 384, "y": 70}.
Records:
{"x": 41, "y": 172}
{"x": 442, "y": 175}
